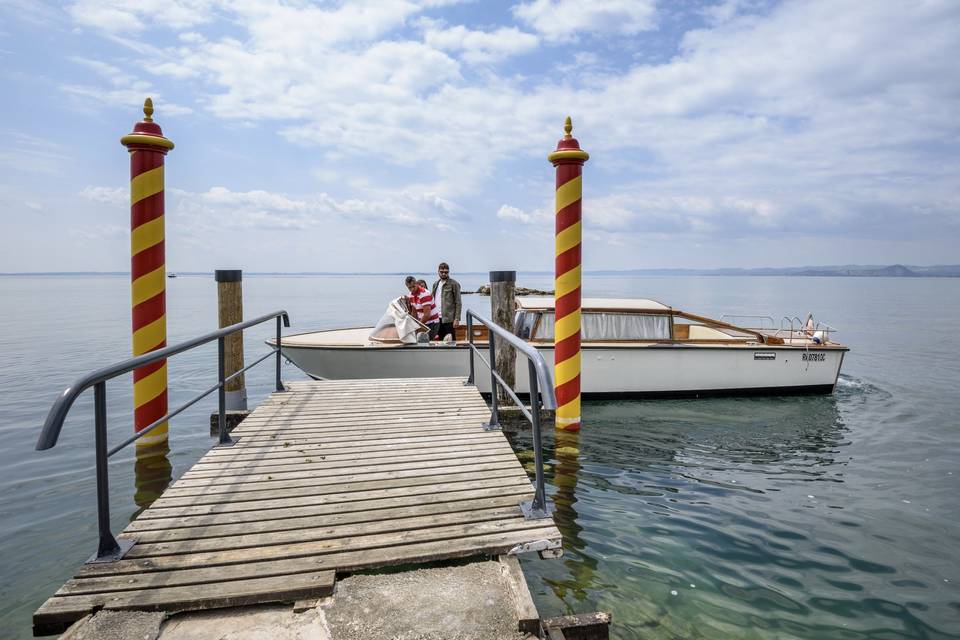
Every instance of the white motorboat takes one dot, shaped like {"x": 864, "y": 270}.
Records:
{"x": 630, "y": 348}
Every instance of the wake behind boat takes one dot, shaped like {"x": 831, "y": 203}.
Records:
{"x": 630, "y": 348}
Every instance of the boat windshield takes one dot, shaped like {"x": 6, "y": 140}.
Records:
{"x": 523, "y": 324}
{"x": 605, "y": 327}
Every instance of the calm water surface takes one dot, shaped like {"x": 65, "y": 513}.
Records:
{"x": 822, "y": 517}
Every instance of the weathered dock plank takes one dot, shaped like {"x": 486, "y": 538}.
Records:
{"x": 328, "y": 477}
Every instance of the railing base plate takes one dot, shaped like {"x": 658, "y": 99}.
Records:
{"x": 228, "y": 443}
{"x": 124, "y": 543}
{"x": 526, "y": 508}
{"x": 491, "y": 427}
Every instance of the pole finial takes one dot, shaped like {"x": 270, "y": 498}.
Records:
{"x": 146, "y": 134}
{"x": 568, "y": 149}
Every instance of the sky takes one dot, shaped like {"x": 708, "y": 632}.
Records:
{"x": 388, "y": 135}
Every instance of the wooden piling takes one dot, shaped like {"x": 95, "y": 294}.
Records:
{"x": 581, "y": 626}
{"x": 230, "y": 311}
{"x": 503, "y": 308}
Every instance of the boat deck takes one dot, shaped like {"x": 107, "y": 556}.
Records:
{"x": 327, "y": 477}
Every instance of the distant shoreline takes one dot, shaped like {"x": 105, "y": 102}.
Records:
{"x": 842, "y": 271}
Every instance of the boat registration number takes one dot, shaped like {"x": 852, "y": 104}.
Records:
{"x": 814, "y": 357}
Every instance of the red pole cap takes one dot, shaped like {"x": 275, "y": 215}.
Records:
{"x": 568, "y": 149}
{"x": 146, "y": 134}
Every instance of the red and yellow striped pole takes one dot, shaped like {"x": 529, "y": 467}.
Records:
{"x": 568, "y": 159}
{"x": 147, "y": 148}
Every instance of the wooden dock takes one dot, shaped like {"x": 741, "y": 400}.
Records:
{"x": 327, "y": 477}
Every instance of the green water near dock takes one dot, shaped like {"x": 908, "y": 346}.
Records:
{"x": 812, "y": 517}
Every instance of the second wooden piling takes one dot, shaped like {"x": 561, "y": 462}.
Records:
{"x": 503, "y": 308}
{"x": 230, "y": 311}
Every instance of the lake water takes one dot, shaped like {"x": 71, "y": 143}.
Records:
{"x": 811, "y": 517}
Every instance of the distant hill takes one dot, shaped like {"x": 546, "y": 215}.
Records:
{"x": 847, "y": 271}
{"x": 893, "y": 271}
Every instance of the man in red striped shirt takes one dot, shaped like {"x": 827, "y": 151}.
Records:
{"x": 421, "y": 302}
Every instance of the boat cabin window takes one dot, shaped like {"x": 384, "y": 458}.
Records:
{"x": 545, "y": 328}
{"x": 603, "y": 327}
{"x": 598, "y": 327}
{"x": 523, "y": 324}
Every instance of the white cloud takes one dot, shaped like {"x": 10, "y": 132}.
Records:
{"x": 801, "y": 116}
{"x": 23, "y": 152}
{"x": 108, "y": 195}
{"x": 258, "y": 199}
{"x": 219, "y": 207}
{"x": 124, "y": 90}
{"x": 109, "y": 71}
{"x": 135, "y": 15}
{"x": 479, "y": 47}
{"x": 506, "y": 212}
{"x": 676, "y": 214}
{"x": 131, "y": 98}
{"x": 96, "y": 232}
{"x": 537, "y": 216}
{"x": 557, "y": 19}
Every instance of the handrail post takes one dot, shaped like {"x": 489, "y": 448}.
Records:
{"x": 222, "y": 392}
{"x": 279, "y": 356}
{"x": 538, "y": 508}
{"x": 108, "y": 547}
{"x": 469, "y": 382}
{"x": 494, "y": 410}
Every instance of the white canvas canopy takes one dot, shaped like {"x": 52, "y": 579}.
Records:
{"x": 397, "y": 324}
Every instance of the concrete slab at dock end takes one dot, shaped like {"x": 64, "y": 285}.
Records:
{"x": 478, "y": 600}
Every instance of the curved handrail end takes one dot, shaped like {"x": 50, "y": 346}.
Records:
{"x": 57, "y": 414}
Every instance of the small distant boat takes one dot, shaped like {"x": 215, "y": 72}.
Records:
{"x": 171, "y": 275}
{"x": 630, "y": 348}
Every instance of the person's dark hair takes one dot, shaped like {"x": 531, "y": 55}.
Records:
{"x": 422, "y": 283}
{"x": 443, "y": 265}
{"x": 409, "y": 280}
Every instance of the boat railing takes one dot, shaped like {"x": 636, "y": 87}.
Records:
{"x": 542, "y": 396}
{"x": 109, "y": 548}
{"x": 795, "y": 327}
{"x": 746, "y": 320}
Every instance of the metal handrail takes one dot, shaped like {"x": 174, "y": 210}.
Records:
{"x": 541, "y": 395}
{"x": 109, "y": 548}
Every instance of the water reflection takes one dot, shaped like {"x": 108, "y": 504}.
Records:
{"x": 655, "y": 448}
{"x": 581, "y": 566}
{"x": 679, "y": 515}
{"x": 152, "y": 474}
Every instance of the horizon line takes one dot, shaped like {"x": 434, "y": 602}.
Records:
{"x": 657, "y": 270}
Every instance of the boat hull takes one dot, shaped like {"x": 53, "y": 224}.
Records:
{"x": 606, "y": 371}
